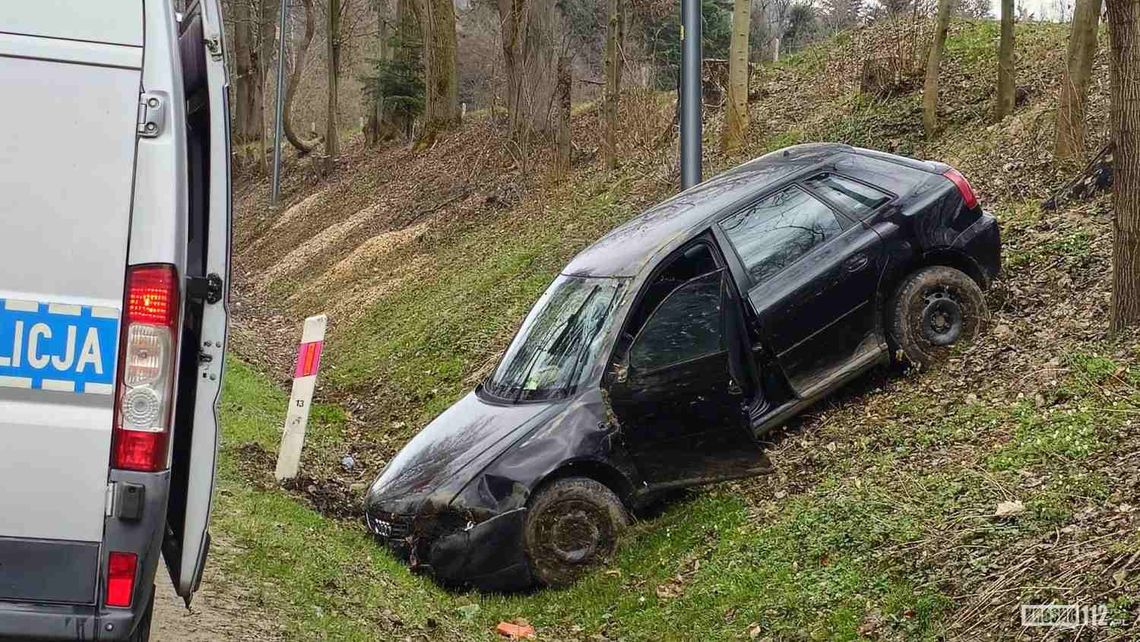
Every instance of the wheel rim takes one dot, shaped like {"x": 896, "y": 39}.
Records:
{"x": 572, "y": 532}
{"x": 941, "y": 317}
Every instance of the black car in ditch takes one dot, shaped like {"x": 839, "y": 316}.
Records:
{"x": 664, "y": 351}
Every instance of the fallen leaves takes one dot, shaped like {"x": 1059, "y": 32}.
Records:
{"x": 1009, "y": 509}
{"x": 518, "y": 629}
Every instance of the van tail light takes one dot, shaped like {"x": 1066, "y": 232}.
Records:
{"x": 146, "y": 369}
{"x": 963, "y": 186}
{"x": 121, "y": 569}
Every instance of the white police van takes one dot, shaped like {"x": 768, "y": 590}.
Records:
{"x": 114, "y": 252}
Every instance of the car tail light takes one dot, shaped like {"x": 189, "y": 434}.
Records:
{"x": 146, "y": 368}
{"x": 964, "y": 188}
{"x": 121, "y": 578}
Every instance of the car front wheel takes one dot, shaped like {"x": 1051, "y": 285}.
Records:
{"x": 572, "y": 526}
{"x": 935, "y": 308}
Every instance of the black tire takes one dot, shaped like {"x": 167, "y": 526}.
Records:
{"x": 142, "y": 628}
{"x": 933, "y": 310}
{"x": 572, "y": 525}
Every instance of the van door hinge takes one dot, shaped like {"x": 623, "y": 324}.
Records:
{"x": 214, "y": 46}
{"x": 205, "y": 288}
{"x": 152, "y": 114}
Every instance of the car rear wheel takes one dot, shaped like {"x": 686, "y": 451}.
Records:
{"x": 572, "y": 526}
{"x": 935, "y": 308}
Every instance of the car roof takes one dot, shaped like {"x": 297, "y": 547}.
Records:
{"x": 629, "y": 248}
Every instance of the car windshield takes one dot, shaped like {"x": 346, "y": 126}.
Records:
{"x": 559, "y": 341}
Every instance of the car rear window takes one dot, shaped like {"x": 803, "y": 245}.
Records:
{"x": 854, "y": 197}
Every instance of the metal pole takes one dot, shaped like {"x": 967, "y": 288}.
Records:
{"x": 279, "y": 115}
{"x": 690, "y": 93}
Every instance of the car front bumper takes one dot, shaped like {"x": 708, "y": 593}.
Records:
{"x": 488, "y": 555}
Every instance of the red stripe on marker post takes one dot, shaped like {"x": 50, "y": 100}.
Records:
{"x": 308, "y": 359}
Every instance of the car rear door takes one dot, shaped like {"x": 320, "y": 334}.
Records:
{"x": 813, "y": 276}
{"x": 68, "y": 116}
{"x": 194, "y": 452}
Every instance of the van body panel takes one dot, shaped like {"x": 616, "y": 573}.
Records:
{"x": 75, "y": 51}
{"x": 36, "y": 569}
{"x": 158, "y": 220}
{"x": 111, "y": 21}
{"x": 66, "y": 191}
{"x": 53, "y": 501}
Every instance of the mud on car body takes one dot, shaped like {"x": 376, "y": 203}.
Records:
{"x": 665, "y": 350}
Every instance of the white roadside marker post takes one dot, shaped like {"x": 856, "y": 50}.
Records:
{"x": 304, "y": 381}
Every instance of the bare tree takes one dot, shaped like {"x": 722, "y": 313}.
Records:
{"x": 332, "y": 142}
{"x": 612, "y": 90}
{"x": 300, "y": 54}
{"x": 533, "y": 34}
{"x": 267, "y": 12}
{"x": 374, "y": 130}
{"x": 441, "y": 85}
{"x": 245, "y": 78}
{"x": 1006, "y": 84}
{"x": 736, "y": 113}
{"x": 1070, "y": 127}
{"x": 1124, "y": 28}
{"x": 933, "y": 63}
{"x": 562, "y": 110}
{"x": 513, "y": 17}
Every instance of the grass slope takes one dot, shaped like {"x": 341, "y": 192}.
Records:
{"x": 879, "y": 520}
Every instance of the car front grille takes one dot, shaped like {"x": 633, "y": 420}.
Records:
{"x": 390, "y": 527}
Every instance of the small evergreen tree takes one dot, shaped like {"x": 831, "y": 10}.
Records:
{"x": 400, "y": 83}
{"x": 663, "y": 40}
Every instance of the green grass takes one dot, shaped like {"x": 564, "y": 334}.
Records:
{"x": 819, "y": 564}
{"x": 328, "y": 580}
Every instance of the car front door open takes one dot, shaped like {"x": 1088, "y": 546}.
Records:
{"x": 679, "y": 403}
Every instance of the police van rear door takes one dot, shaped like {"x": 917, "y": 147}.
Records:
{"x": 194, "y": 451}
{"x": 68, "y": 116}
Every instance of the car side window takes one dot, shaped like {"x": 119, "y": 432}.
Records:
{"x": 685, "y": 326}
{"x": 854, "y": 197}
{"x": 774, "y": 232}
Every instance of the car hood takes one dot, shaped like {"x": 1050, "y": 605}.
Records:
{"x": 431, "y": 462}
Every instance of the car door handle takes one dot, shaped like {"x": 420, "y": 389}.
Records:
{"x": 855, "y": 263}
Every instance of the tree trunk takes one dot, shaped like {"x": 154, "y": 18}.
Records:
{"x": 1124, "y": 27}
{"x": 1070, "y": 127}
{"x": 302, "y": 52}
{"x": 266, "y": 48}
{"x": 374, "y": 130}
{"x": 332, "y": 142}
{"x": 441, "y": 85}
{"x": 245, "y": 78}
{"x": 1006, "y": 84}
{"x": 933, "y": 63}
{"x": 562, "y": 95}
{"x": 513, "y": 18}
{"x": 736, "y": 113}
{"x": 612, "y": 88}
